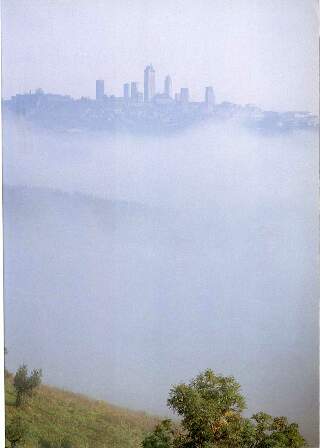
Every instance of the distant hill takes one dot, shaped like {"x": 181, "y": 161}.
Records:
{"x": 55, "y": 414}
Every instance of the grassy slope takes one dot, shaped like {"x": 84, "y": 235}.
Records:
{"x": 53, "y": 414}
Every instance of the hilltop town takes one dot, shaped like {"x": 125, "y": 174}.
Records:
{"x": 148, "y": 111}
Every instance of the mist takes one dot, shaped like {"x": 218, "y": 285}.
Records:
{"x": 133, "y": 263}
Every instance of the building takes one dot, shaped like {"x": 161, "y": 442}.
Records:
{"x": 99, "y": 89}
{"x": 209, "y": 97}
{"x": 177, "y": 97}
{"x": 134, "y": 91}
{"x": 126, "y": 91}
{"x": 149, "y": 83}
{"x": 140, "y": 97}
{"x": 162, "y": 99}
{"x": 168, "y": 86}
{"x": 184, "y": 95}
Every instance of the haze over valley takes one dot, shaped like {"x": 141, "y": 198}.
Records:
{"x": 133, "y": 263}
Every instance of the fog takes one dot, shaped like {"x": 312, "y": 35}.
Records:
{"x": 132, "y": 263}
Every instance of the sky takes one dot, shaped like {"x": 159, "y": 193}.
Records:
{"x": 265, "y": 53}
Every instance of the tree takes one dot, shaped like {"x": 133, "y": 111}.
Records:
{"x": 25, "y": 384}
{"x": 162, "y": 436}
{"x": 210, "y": 407}
{"x": 16, "y": 431}
{"x": 276, "y": 432}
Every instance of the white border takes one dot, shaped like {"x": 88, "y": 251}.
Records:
{"x": 2, "y": 395}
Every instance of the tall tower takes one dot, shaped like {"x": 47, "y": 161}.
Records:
{"x": 126, "y": 91}
{"x": 184, "y": 95}
{"x": 99, "y": 89}
{"x": 168, "y": 86}
{"x": 149, "y": 83}
{"x": 134, "y": 91}
{"x": 209, "y": 97}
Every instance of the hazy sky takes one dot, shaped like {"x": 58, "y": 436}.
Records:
{"x": 251, "y": 51}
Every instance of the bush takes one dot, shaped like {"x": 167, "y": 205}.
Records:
{"x": 16, "y": 431}
{"x": 25, "y": 384}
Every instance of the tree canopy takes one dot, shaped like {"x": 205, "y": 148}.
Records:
{"x": 211, "y": 407}
{"x": 162, "y": 436}
{"x": 25, "y": 384}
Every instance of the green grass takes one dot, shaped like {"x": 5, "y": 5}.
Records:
{"x": 54, "y": 414}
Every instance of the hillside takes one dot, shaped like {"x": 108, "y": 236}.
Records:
{"x": 53, "y": 414}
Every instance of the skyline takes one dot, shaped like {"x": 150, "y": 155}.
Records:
{"x": 254, "y": 55}
{"x": 132, "y": 90}
{"x": 150, "y": 110}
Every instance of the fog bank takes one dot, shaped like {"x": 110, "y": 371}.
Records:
{"x": 177, "y": 254}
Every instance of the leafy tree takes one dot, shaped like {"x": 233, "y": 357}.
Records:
{"x": 276, "y": 432}
{"x": 210, "y": 407}
{"x": 16, "y": 431}
{"x": 25, "y": 384}
{"x": 162, "y": 436}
